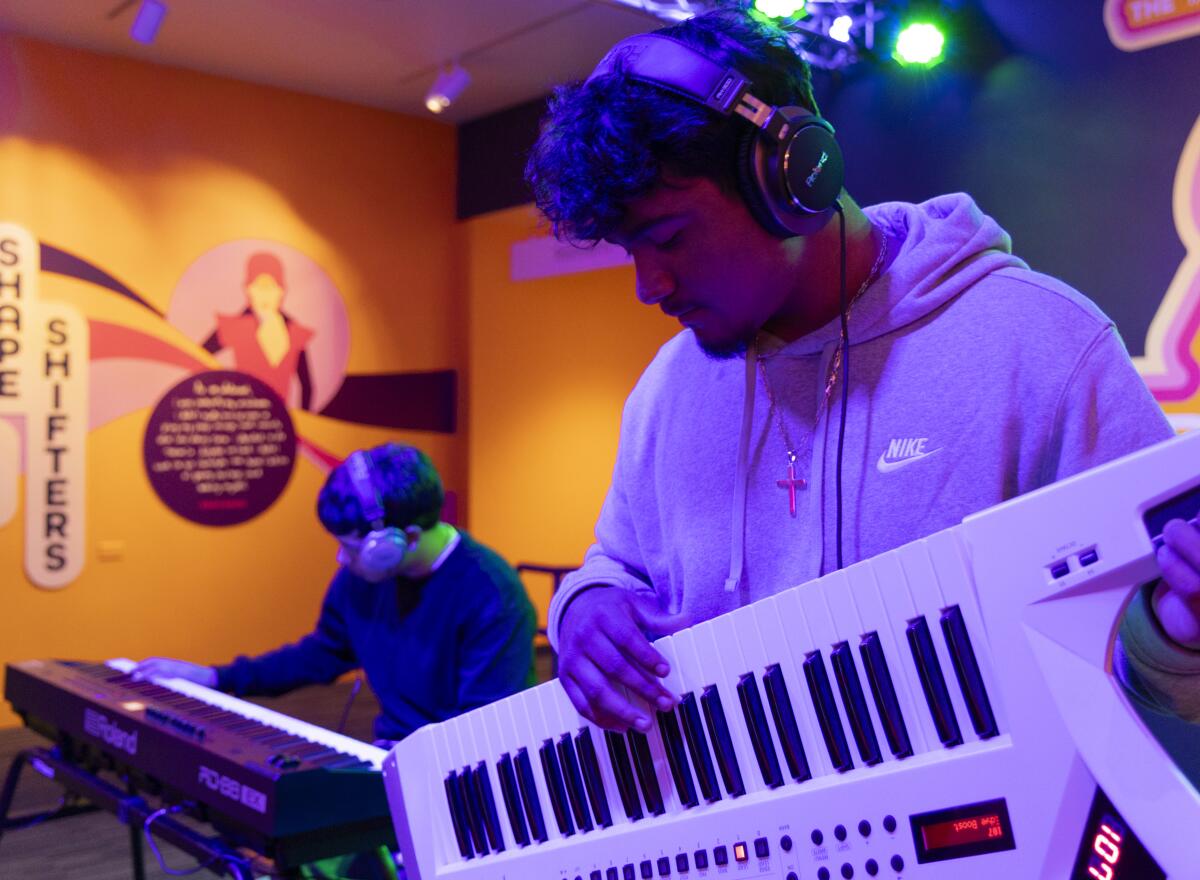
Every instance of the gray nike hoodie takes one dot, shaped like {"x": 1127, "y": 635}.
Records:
{"x": 972, "y": 380}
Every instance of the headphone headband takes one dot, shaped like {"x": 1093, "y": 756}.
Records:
{"x": 666, "y": 62}
{"x": 384, "y": 547}
{"x": 677, "y": 67}
{"x": 358, "y": 466}
{"x": 790, "y": 171}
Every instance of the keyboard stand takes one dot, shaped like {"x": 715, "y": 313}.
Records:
{"x": 131, "y": 810}
{"x": 64, "y": 810}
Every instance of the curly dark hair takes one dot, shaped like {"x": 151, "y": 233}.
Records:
{"x": 607, "y": 141}
{"x": 408, "y": 485}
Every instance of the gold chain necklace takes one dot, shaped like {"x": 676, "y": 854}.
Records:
{"x": 792, "y": 482}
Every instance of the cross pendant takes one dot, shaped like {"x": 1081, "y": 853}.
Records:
{"x": 792, "y": 483}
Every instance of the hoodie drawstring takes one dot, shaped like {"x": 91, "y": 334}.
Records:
{"x": 737, "y": 538}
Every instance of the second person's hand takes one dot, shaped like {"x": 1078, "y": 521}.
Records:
{"x": 166, "y": 667}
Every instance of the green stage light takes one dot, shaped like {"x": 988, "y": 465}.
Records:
{"x": 920, "y": 44}
{"x": 780, "y": 8}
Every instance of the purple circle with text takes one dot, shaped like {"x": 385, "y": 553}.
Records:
{"x": 219, "y": 447}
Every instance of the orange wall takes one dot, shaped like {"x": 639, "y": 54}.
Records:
{"x": 141, "y": 169}
{"x": 552, "y": 361}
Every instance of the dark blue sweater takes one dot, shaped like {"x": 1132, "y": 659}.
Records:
{"x": 431, "y": 648}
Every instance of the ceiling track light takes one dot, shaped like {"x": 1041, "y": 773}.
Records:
{"x": 449, "y": 84}
{"x": 147, "y": 20}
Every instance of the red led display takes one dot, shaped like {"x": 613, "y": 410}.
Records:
{"x": 963, "y": 831}
{"x": 1110, "y": 850}
{"x": 968, "y": 829}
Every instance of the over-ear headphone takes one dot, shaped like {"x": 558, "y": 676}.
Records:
{"x": 789, "y": 165}
{"x": 384, "y": 547}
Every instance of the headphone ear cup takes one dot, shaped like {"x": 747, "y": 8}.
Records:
{"x": 750, "y": 147}
{"x": 813, "y": 169}
{"x": 796, "y": 182}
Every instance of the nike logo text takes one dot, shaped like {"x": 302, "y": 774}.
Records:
{"x": 903, "y": 452}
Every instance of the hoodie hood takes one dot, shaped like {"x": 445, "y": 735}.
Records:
{"x": 941, "y": 247}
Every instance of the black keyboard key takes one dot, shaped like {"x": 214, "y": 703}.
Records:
{"x": 643, "y": 762}
{"x": 458, "y": 815}
{"x": 647, "y": 869}
{"x": 933, "y": 682}
{"x": 474, "y": 811}
{"x": 677, "y": 758}
{"x": 529, "y": 797}
{"x": 880, "y": 679}
{"x": 611, "y": 874}
{"x": 760, "y": 733}
{"x": 722, "y": 742}
{"x": 491, "y": 819}
{"x": 702, "y": 763}
{"x": 827, "y": 712}
{"x": 512, "y": 799}
{"x": 627, "y": 871}
{"x": 785, "y": 723}
{"x": 966, "y": 668}
{"x": 575, "y": 793}
{"x": 557, "y": 789}
{"x": 623, "y": 771}
{"x": 592, "y": 779}
{"x": 310, "y": 751}
{"x": 855, "y": 702}
{"x": 287, "y": 741}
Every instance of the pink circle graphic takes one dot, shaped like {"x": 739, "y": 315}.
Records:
{"x": 268, "y": 310}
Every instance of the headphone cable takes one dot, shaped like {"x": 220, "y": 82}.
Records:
{"x": 845, "y": 375}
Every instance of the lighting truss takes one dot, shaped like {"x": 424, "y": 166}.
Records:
{"x": 809, "y": 32}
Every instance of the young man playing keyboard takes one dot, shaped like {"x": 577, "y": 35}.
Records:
{"x": 438, "y": 623}
{"x": 747, "y": 463}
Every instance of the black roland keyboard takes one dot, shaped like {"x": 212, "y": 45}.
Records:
{"x": 284, "y": 788}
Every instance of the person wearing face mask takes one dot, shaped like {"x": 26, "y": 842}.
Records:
{"x": 438, "y": 622}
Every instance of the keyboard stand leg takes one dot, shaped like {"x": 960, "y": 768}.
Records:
{"x": 135, "y": 844}
{"x": 10, "y": 787}
{"x": 128, "y": 807}
{"x": 33, "y": 757}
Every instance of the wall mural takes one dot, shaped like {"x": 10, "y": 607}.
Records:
{"x": 1171, "y": 364}
{"x": 254, "y": 330}
{"x": 1137, "y": 24}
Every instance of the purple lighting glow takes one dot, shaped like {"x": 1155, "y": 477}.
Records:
{"x": 148, "y": 20}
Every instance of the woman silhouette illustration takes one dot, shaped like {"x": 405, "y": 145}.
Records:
{"x": 265, "y": 342}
